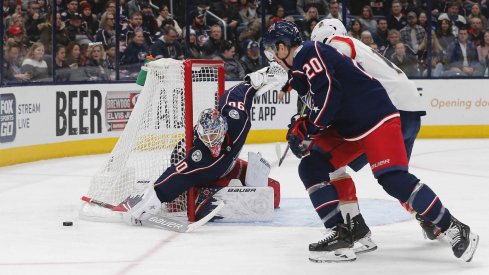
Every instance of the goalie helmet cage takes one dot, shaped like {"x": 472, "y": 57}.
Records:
{"x": 158, "y": 133}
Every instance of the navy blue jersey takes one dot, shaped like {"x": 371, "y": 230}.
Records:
{"x": 338, "y": 91}
{"x": 199, "y": 167}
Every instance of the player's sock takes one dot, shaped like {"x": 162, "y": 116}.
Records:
{"x": 325, "y": 201}
{"x": 429, "y": 207}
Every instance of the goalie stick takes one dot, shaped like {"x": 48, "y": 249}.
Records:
{"x": 164, "y": 222}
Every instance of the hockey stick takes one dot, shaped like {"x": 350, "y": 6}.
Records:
{"x": 163, "y": 222}
{"x": 284, "y": 155}
{"x": 97, "y": 202}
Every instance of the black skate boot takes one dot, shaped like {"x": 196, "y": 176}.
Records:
{"x": 362, "y": 235}
{"x": 463, "y": 241}
{"x": 430, "y": 231}
{"x": 335, "y": 247}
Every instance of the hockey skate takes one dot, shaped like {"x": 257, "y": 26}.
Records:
{"x": 430, "y": 231}
{"x": 361, "y": 235}
{"x": 463, "y": 241}
{"x": 337, "y": 246}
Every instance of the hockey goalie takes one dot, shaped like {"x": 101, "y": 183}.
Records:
{"x": 212, "y": 164}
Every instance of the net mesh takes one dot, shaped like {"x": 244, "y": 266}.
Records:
{"x": 154, "y": 137}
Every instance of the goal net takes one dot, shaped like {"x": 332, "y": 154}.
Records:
{"x": 157, "y": 135}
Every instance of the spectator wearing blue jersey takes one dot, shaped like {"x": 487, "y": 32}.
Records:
{"x": 199, "y": 26}
{"x": 135, "y": 53}
{"x": 106, "y": 33}
{"x": 380, "y": 35}
{"x": 167, "y": 46}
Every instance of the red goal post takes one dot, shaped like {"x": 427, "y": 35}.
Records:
{"x": 189, "y": 91}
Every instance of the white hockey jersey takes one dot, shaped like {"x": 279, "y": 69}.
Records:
{"x": 402, "y": 91}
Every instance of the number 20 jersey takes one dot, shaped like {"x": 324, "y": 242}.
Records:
{"x": 402, "y": 91}
{"x": 338, "y": 91}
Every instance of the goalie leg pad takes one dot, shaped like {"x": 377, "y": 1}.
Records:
{"x": 245, "y": 204}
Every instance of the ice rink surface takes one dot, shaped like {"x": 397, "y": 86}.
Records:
{"x": 37, "y": 197}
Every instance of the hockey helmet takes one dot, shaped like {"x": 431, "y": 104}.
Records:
{"x": 283, "y": 32}
{"x": 211, "y": 129}
{"x": 327, "y": 28}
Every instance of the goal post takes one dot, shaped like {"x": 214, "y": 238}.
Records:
{"x": 158, "y": 134}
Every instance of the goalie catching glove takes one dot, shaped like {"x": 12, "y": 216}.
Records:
{"x": 301, "y": 131}
{"x": 273, "y": 77}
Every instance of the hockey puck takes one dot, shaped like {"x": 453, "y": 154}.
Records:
{"x": 67, "y": 223}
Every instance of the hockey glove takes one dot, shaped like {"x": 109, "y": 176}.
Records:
{"x": 301, "y": 130}
{"x": 273, "y": 77}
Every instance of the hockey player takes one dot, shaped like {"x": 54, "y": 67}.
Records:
{"x": 403, "y": 94}
{"x": 213, "y": 159}
{"x": 350, "y": 115}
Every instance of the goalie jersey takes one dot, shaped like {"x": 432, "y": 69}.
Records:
{"x": 199, "y": 167}
{"x": 338, "y": 91}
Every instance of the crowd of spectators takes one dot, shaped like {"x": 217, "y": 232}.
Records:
{"x": 230, "y": 30}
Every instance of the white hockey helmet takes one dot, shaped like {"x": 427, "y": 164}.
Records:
{"x": 211, "y": 129}
{"x": 327, "y": 28}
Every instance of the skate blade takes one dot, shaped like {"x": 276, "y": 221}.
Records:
{"x": 469, "y": 253}
{"x": 340, "y": 255}
{"x": 364, "y": 245}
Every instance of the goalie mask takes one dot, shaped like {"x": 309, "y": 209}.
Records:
{"x": 211, "y": 129}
